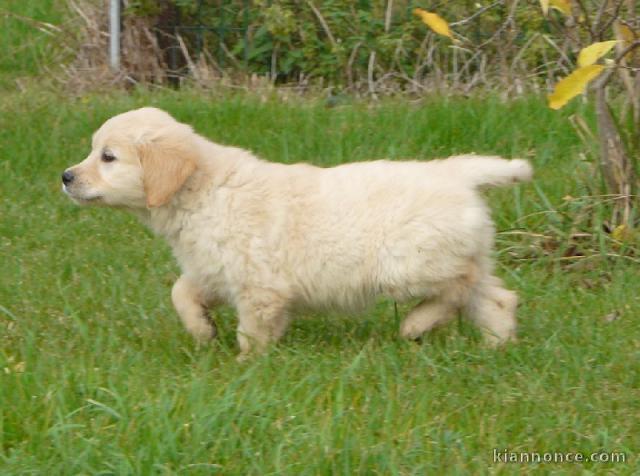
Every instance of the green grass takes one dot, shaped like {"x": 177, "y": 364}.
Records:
{"x": 28, "y": 44}
{"x": 97, "y": 375}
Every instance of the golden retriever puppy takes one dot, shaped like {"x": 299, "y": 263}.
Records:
{"x": 269, "y": 238}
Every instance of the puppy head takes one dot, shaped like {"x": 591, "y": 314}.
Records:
{"x": 139, "y": 159}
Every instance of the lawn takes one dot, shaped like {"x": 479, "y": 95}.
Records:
{"x": 97, "y": 375}
{"x": 27, "y": 38}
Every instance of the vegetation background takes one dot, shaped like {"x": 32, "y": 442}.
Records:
{"x": 364, "y": 46}
{"x": 98, "y": 377}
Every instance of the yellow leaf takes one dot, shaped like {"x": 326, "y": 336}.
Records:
{"x": 544, "y": 4}
{"x": 434, "y": 21}
{"x": 594, "y": 52}
{"x": 572, "y": 85}
{"x": 563, "y": 5}
{"x": 622, "y": 233}
{"x": 19, "y": 367}
{"x": 624, "y": 33}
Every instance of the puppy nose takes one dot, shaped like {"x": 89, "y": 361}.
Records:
{"x": 67, "y": 177}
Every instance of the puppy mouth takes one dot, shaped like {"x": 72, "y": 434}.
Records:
{"x": 80, "y": 199}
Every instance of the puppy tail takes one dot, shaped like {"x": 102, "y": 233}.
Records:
{"x": 482, "y": 171}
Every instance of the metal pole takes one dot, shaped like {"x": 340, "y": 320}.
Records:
{"x": 114, "y": 34}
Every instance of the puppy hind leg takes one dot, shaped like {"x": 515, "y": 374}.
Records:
{"x": 492, "y": 308}
{"x": 425, "y": 316}
{"x": 188, "y": 302}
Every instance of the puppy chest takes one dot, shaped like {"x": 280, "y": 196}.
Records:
{"x": 205, "y": 263}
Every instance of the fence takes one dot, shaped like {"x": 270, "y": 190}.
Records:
{"x": 208, "y": 18}
{"x": 207, "y": 25}
{"x": 360, "y": 43}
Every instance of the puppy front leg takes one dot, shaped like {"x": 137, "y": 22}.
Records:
{"x": 262, "y": 320}
{"x": 187, "y": 299}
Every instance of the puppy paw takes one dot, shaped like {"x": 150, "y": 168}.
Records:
{"x": 203, "y": 332}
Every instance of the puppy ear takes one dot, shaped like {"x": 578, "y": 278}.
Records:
{"x": 168, "y": 159}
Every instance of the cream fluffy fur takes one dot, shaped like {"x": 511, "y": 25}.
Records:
{"x": 268, "y": 238}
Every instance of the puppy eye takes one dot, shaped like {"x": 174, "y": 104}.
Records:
{"x": 108, "y": 156}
